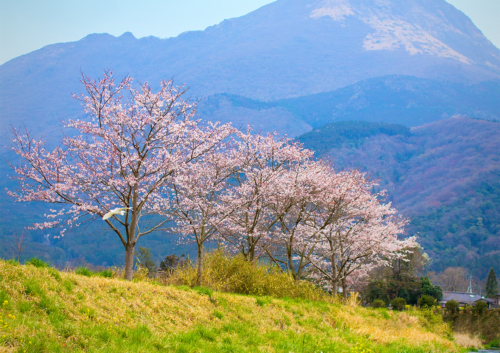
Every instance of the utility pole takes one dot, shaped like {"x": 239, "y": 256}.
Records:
{"x": 469, "y": 289}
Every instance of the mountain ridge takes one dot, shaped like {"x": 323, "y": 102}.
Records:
{"x": 284, "y": 49}
{"x": 345, "y": 53}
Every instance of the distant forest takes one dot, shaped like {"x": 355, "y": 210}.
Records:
{"x": 444, "y": 176}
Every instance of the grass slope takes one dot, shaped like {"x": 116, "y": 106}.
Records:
{"x": 44, "y": 310}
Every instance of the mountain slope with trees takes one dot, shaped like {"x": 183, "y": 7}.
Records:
{"x": 288, "y": 48}
{"x": 443, "y": 175}
{"x": 308, "y": 62}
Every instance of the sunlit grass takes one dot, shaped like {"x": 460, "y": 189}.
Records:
{"x": 44, "y": 312}
{"x": 466, "y": 340}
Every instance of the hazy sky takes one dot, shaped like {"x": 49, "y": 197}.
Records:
{"x": 27, "y": 25}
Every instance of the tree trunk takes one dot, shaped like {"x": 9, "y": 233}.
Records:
{"x": 200, "y": 265}
{"x": 129, "y": 262}
{"x": 251, "y": 251}
{"x": 335, "y": 287}
{"x": 289, "y": 258}
{"x": 335, "y": 277}
{"x": 344, "y": 287}
{"x": 131, "y": 240}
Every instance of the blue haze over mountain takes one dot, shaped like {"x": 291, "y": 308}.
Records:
{"x": 286, "y": 49}
{"x": 292, "y": 66}
{"x": 403, "y": 100}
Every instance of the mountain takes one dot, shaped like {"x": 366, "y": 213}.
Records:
{"x": 444, "y": 176}
{"x": 293, "y": 66}
{"x": 397, "y": 99}
{"x": 288, "y": 48}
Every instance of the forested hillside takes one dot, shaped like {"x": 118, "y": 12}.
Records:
{"x": 444, "y": 176}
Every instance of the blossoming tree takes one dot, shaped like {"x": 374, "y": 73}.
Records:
{"x": 290, "y": 242}
{"x": 265, "y": 159}
{"x": 201, "y": 200}
{"x": 124, "y": 154}
{"x": 362, "y": 232}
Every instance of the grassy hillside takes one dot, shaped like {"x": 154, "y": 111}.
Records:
{"x": 44, "y": 310}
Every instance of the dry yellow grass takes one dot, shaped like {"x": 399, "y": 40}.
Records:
{"x": 385, "y": 327}
{"x": 466, "y": 341}
{"x": 67, "y": 312}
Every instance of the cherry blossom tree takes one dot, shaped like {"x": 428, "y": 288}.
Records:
{"x": 291, "y": 242}
{"x": 265, "y": 158}
{"x": 362, "y": 233}
{"x": 125, "y": 154}
{"x": 201, "y": 198}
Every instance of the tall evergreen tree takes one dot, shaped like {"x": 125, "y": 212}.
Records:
{"x": 429, "y": 289}
{"x": 492, "y": 284}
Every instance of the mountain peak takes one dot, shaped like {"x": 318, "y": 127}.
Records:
{"x": 410, "y": 26}
{"x": 127, "y": 35}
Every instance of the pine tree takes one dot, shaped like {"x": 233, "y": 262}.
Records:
{"x": 491, "y": 284}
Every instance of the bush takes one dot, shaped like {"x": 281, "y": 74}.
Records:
{"x": 37, "y": 263}
{"x": 378, "y": 303}
{"x": 105, "y": 273}
{"x": 451, "y": 306}
{"x": 234, "y": 274}
{"x": 480, "y": 307}
{"x": 84, "y": 271}
{"x": 485, "y": 325}
{"x": 399, "y": 303}
{"x": 171, "y": 263}
{"x": 12, "y": 262}
{"x": 145, "y": 259}
{"x": 495, "y": 343}
{"x": 426, "y": 301}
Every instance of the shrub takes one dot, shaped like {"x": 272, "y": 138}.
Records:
{"x": 451, "y": 306}
{"x": 37, "y": 263}
{"x": 145, "y": 259}
{"x": 495, "y": 343}
{"x": 84, "y": 271}
{"x": 12, "y": 262}
{"x": 172, "y": 262}
{"x": 480, "y": 307}
{"x": 234, "y": 274}
{"x": 378, "y": 303}
{"x": 426, "y": 301}
{"x": 105, "y": 273}
{"x": 399, "y": 303}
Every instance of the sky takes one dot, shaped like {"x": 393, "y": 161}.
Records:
{"x": 27, "y": 25}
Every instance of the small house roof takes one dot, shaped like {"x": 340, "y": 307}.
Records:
{"x": 461, "y": 297}
{"x": 488, "y": 300}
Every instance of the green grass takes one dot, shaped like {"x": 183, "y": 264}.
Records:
{"x": 76, "y": 313}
